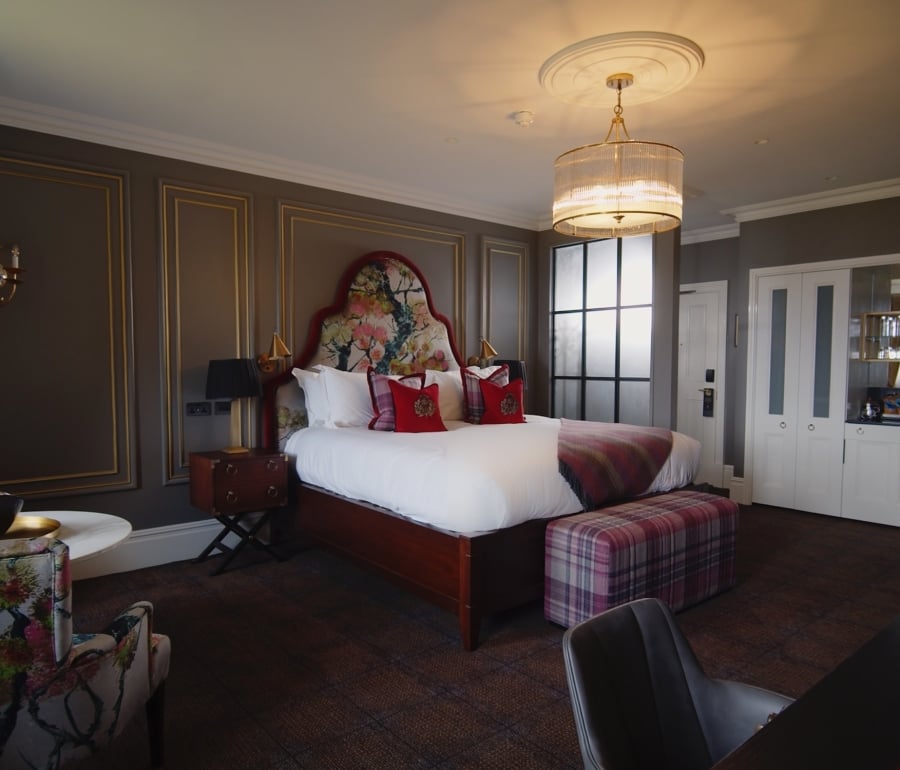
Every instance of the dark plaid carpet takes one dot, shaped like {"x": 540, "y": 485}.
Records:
{"x": 314, "y": 663}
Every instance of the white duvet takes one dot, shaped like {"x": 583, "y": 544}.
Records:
{"x": 473, "y": 478}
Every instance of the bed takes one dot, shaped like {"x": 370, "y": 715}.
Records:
{"x": 467, "y": 534}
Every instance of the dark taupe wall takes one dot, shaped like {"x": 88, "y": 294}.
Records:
{"x": 142, "y": 268}
{"x": 859, "y": 230}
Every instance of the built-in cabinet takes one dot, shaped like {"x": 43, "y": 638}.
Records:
{"x": 824, "y": 344}
{"x": 871, "y": 490}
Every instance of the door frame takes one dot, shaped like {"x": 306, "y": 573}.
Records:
{"x": 754, "y": 274}
{"x": 721, "y": 289}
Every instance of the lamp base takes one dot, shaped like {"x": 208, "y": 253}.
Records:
{"x": 235, "y": 450}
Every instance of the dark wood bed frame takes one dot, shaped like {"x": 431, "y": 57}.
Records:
{"x": 473, "y": 576}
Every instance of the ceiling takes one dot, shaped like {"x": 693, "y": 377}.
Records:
{"x": 412, "y": 101}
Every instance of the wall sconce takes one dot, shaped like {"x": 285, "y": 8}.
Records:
{"x": 232, "y": 378}
{"x": 277, "y": 353}
{"x": 10, "y": 275}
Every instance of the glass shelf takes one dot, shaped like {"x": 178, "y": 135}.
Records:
{"x": 879, "y": 336}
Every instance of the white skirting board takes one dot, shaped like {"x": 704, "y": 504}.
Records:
{"x": 150, "y": 548}
{"x": 737, "y": 489}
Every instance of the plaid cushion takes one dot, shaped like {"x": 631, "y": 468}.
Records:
{"x": 383, "y": 401}
{"x": 471, "y": 379}
{"x": 678, "y": 547}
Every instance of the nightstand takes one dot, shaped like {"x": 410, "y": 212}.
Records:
{"x": 230, "y": 486}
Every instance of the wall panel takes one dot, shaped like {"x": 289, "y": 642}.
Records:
{"x": 317, "y": 244}
{"x": 206, "y": 280}
{"x": 505, "y": 296}
{"x": 70, "y": 321}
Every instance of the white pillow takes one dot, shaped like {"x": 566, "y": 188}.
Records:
{"x": 450, "y": 393}
{"x": 317, "y": 412}
{"x": 349, "y": 400}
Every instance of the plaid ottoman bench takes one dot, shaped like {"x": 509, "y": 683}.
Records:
{"x": 678, "y": 547}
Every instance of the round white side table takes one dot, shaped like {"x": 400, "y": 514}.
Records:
{"x": 88, "y": 533}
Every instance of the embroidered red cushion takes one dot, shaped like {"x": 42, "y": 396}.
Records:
{"x": 416, "y": 411}
{"x": 502, "y": 403}
{"x": 474, "y": 401}
{"x": 383, "y": 400}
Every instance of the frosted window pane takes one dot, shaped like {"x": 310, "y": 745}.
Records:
{"x": 601, "y": 274}
{"x": 777, "y": 351}
{"x": 600, "y": 359}
{"x": 567, "y": 399}
{"x": 637, "y": 270}
{"x": 822, "y": 366}
{"x": 569, "y": 277}
{"x": 567, "y": 345}
{"x": 600, "y": 401}
{"x": 635, "y": 342}
{"x": 634, "y": 403}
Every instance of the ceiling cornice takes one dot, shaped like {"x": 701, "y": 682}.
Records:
{"x": 846, "y": 196}
{"x": 126, "y": 136}
{"x": 718, "y": 233}
{"x": 74, "y": 125}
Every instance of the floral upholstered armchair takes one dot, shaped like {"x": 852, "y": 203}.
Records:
{"x": 65, "y": 696}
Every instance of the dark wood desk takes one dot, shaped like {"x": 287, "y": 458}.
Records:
{"x": 848, "y": 720}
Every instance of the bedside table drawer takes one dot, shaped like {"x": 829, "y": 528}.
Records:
{"x": 228, "y": 483}
{"x": 250, "y": 470}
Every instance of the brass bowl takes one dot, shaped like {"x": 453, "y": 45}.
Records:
{"x": 24, "y": 527}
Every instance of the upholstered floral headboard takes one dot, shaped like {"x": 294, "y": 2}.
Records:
{"x": 383, "y": 318}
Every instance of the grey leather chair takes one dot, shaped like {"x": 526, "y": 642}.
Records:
{"x": 642, "y": 701}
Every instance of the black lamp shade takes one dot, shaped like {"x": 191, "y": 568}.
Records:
{"x": 516, "y": 370}
{"x": 232, "y": 378}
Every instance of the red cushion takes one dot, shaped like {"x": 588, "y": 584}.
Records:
{"x": 383, "y": 399}
{"x": 502, "y": 403}
{"x": 474, "y": 402}
{"x": 416, "y": 411}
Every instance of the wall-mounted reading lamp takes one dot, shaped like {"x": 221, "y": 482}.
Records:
{"x": 277, "y": 353}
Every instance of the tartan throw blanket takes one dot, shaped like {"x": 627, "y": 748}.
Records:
{"x": 604, "y": 461}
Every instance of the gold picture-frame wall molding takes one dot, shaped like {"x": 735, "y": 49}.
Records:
{"x": 206, "y": 262}
{"x": 72, "y": 224}
{"x": 316, "y": 243}
{"x": 504, "y": 296}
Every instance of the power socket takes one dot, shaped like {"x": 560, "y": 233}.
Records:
{"x": 198, "y": 409}
{"x": 223, "y": 407}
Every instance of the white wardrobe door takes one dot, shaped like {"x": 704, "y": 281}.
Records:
{"x": 775, "y": 389}
{"x": 822, "y": 387}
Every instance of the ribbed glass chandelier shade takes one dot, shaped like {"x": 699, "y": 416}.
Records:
{"x": 618, "y": 188}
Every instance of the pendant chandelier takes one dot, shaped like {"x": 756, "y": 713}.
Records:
{"x": 619, "y": 187}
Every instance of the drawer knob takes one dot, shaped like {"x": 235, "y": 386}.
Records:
{"x": 231, "y": 497}
{"x": 272, "y": 491}
{"x": 231, "y": 469}
{"x": 272, "y": 465}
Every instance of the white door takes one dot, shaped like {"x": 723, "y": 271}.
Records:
{"x": 701, "y": 367}
{"x": 822, "y": 388}
{"x": 799, "y": 386}
{"x": 775, "y": 389}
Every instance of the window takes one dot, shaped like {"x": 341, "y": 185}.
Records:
{"x": 600, "y": 330}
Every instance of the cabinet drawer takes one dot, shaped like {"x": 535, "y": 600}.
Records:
{"x": 234, "y": 498}
{"x": 251, "y": 469}
{"x": 224, "y": 483}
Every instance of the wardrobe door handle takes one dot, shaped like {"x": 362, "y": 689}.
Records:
{"x": 782, "y": 425}
{"x": 810, "y": 427}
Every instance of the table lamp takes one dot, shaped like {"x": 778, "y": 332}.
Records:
{"x": 233, "y": 378}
